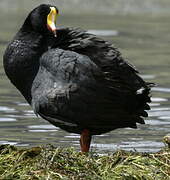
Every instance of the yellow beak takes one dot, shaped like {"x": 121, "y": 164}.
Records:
{"x": 51, "y": 20}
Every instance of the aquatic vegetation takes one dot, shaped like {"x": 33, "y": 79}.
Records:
{"x": 48, "y": 162}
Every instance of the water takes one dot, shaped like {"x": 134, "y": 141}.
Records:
{"x": 142, "y": 38}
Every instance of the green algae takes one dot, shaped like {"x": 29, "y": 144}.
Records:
{"x": 48, "y": 162}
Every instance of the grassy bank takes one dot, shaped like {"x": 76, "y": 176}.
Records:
{"x": 58, "y": 163}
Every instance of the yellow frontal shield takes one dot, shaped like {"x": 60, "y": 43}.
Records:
{"x": 51, "y": 20}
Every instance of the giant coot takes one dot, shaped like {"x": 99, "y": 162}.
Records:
{"x": 73, "y": 79}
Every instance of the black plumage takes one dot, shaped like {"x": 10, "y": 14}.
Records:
{"x": 76, "y": 80}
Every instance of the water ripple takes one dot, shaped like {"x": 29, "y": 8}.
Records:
{"x": 157, "y": 122}
{"x": 133, "y": 145}
{"x": 8, "y": 142}
{"x": 158, "y": 113}
{"x": 158, "y": 99}
{"x": 148, "y": 76}
{"x": 7, "y": 119}
{"x": 7, "y": 109}
{"x": 103, "y": 32}
{"x": 42, "y": 126}
{"x": 161, "y": 89}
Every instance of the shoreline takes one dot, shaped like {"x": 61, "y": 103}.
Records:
{"x": 49, "y": 162}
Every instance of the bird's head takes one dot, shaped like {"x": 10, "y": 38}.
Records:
{"x": 42, "y": 19}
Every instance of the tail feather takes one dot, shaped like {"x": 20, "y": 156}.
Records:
{"x": 143, "y": 99}
{"x": 140, "y": 120}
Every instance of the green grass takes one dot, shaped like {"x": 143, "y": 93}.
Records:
{"x": 65, "y": 163}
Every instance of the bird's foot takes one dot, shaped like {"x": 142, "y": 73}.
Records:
{"x": 85, "y": 140}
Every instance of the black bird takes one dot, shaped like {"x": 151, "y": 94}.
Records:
{"x": 73, "y": 79}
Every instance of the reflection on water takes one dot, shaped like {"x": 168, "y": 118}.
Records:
{"x": 145, "y": 41}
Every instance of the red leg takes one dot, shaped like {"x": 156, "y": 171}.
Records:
{"x": 85, "y": 140}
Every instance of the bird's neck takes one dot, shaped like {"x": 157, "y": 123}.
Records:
{"x": 21, "y": 61}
